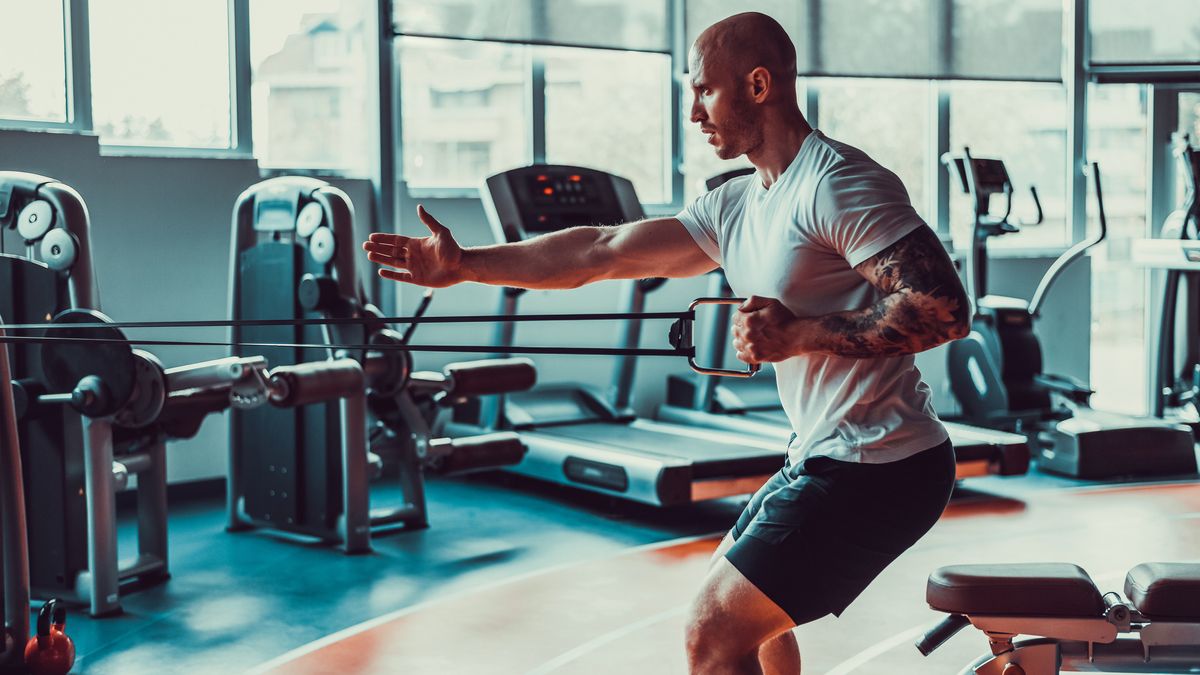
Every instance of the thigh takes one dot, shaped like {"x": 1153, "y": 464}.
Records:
{"x": 731, "y": 606}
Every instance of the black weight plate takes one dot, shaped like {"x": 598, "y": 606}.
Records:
{"x": 110, "y": 358}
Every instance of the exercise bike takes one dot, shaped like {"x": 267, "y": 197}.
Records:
{"x": 996, "y": 371}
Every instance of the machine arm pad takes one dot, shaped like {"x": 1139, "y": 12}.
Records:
{"x": 316, "y": 382}
{"x": 494, "y": 376}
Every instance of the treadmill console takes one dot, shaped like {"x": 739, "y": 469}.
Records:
{"x": 525, "y": 202}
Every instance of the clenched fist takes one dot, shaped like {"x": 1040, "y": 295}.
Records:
{"x": 764, "y": 331}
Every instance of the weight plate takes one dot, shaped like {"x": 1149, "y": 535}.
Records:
{"x": 321, "y": 245}
{"x": 149, "y": 393}
{"x": 66, "y": 363}
{"x": 309, "y": 219}
{"x": 35, "y": 220}
{"x": 59, "y": 250}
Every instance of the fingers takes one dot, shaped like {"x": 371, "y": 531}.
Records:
{"x": 755, "y": 303}
{"x": 430, "y": 222}
{"x": 387, "y": 245}
{"x": 396, "y": 276}
{"x": 400, "y": 260}
{"x": 745, "y": 352}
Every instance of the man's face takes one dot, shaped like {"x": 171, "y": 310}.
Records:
{"x": 722, "y": 107}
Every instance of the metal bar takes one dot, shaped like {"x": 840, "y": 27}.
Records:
{"x": 475, "y": 318}
{"x": 1075, "y": 27}
{"x": 679, "y": 55}
{"x": 79, "y": 65}
{"x": 532, "y": 42}
{"x": 579, "y": 351}
{"x": 384, "y": 181}
{"x": 103, "y": 574}
{"x": 356, "y": 504}
{"x": 14, "y": 538}
{"x": 241, "y": 135}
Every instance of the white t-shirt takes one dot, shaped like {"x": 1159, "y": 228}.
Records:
{"x": 831, "y": 209}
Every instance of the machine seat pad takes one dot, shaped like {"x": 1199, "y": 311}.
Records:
{"x": 1165, "y": 591}
{"x": 1022, "y": 589}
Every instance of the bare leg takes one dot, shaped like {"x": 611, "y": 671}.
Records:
{"x": 728, "y": 622}
{"x": 780, "y": 655}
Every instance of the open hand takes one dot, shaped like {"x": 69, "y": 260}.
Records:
{"x": 434, "y": 261}
{"x": 763, "y": 331}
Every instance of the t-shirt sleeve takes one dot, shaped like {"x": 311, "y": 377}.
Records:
{"x": 862, "y": 208}
{"x": 702, "y": 219}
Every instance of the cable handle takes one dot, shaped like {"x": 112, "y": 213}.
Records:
{"x": 682, "y": 338}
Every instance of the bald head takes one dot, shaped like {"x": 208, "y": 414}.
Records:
{"x": 735, "y": 46}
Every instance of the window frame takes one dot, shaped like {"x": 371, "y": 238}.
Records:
{"x": 240, "y": 136}
{"x": 536, "y": 103}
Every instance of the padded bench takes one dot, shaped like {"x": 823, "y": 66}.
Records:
{"x": 1034, "y": 589}
{"x": 1074, "y": 626}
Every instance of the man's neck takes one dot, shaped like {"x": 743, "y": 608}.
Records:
{"x": 782, "y": 137}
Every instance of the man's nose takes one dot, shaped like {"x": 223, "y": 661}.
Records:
{"x": 698, "y": 114}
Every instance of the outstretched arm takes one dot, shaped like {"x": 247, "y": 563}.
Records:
{"x": 924, "y": 305}
{"x": 658, "y": 247}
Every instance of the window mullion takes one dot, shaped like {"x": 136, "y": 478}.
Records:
{"x": 79, "y": 65}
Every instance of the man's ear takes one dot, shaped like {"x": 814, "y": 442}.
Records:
{"x": 760, "y": 84}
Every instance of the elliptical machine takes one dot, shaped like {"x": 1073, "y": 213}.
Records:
{"x": 996, "y": 371}
{"x": 1175, "y": 382}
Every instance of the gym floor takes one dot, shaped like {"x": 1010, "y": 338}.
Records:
{"x": 515, "y": 576}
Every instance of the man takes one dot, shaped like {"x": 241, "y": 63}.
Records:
{"x": 844, "y": 283}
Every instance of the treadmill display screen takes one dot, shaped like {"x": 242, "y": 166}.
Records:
{"x": 553, "y": 199}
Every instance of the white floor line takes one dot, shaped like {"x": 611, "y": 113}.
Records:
{"x": 311, "y": 647}
{"x": 606, "y": 638}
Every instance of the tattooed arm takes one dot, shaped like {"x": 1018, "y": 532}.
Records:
{"x": 924, "y": 305}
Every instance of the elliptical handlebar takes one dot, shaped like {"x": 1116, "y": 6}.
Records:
{"x": 1037, "y": 203}
{"x": 1075, "y": 252}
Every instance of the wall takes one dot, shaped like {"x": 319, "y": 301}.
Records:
{"x": 161, "y": 243}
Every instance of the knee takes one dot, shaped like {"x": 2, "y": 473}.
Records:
{"x": 706, "y": 641}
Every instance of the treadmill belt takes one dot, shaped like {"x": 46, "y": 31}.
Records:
{"x": 709, "y": 458}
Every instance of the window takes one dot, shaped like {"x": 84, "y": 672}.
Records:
{"x": 1189, "y": 115}
{"x": 1024, "y": 125}
{"x": 878, "y": 37}
{"x": 619, "y": 24}
{"x": 151, "y": 88}
{"x": 311, "y": 99}
{"x": 1006, "y": 39}
{"x": 33, "y": 68}
{"x": 457, "y": 142}
{"x": 887, "y": 119}
{"x": 1148, "y": 32}
{"x": 1189, "y": 126}
{"x": 1117, "y": 141}
{"x": 606, "y": 110}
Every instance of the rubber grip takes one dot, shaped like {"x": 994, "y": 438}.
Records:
{"x": 318, "y": 382}
{"x": 486, "y": 451}
{"x": 491, "y": 376}
{"x": 944, "y": 630}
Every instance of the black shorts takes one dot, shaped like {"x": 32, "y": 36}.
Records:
{"x": 814, "y": 536}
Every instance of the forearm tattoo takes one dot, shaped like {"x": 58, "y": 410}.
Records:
{"x": 924, "y": 303}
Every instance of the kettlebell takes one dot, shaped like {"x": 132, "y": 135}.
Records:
{"x": 50, "y": 651}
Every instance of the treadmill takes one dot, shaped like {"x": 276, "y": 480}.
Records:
{"x": 752, "y": 406}
{"x": 576, "y": 436}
